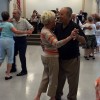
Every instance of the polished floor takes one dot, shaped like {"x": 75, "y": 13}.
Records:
{"x": 25, "y": 87}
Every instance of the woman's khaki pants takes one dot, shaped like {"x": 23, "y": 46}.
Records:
{"x": 50, "y": 75}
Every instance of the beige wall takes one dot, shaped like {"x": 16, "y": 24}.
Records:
{"x": 90, "y": 6}
{"x": 11, "y": 7}
{"x": 41, "y": 5}
{"x": 94, "y": 8}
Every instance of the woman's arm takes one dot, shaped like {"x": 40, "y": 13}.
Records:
{"x": 51, "y": 38}
{"x": 13, "y": 29}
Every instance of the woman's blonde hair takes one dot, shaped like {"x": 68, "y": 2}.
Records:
{"x": 47, "y": 16}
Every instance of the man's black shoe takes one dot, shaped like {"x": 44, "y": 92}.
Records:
{"x": 8, "y": 78}
{"x": 22, "y": 74}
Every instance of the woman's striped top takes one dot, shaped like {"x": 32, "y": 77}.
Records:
{"x": 49, "y": 42}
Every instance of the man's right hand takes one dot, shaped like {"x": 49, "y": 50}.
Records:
{"x": 74, "y": 33}
{"x": 29, "y": 32}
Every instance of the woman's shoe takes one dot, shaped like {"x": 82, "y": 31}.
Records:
{"x": 93, "y": 57}
{"x": 8, "y": 78}
{"x": 87, "y": 58}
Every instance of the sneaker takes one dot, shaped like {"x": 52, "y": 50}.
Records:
{"x": 8, "y": 78}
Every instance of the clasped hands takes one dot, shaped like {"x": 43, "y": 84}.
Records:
{"x": 28, "y": 32}
{"x": 74, "y": 34}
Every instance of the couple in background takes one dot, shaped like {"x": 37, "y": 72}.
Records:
{"x": 7, "y": 42}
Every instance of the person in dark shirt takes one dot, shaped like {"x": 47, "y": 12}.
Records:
{"x": 69, "y": 56}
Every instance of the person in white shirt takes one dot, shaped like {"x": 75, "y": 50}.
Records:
{"x": 98, "y": 33}
{"x": 89, "y": 30}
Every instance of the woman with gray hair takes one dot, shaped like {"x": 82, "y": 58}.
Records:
{"x": 50, "y": 55}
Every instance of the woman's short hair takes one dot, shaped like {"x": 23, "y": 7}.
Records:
{"x": 5, "y": 15}
{"x": 90, "y": 19}
{"x": 47, "y": 16}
